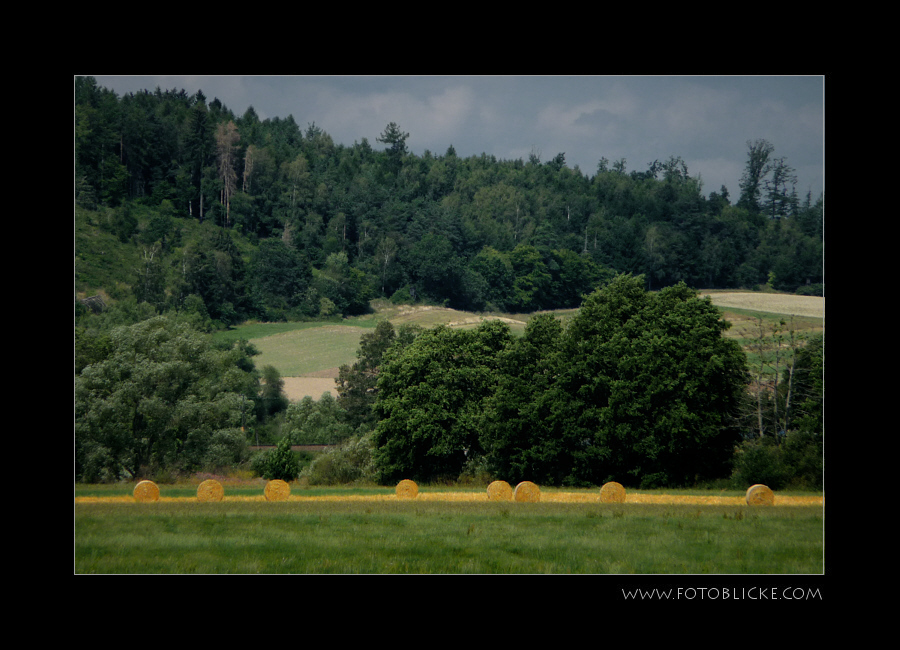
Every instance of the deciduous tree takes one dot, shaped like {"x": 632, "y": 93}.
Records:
{"x": 758, "y": 166}
{"x": 160, "y": 398}
{"x": 430, "y": 400}
{"x": 227, "y": 137}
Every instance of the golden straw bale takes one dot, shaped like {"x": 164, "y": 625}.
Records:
{"x": 277, "y": 490}
{"x": 499, "y": 491}
{"x": 760, "y": 495}
{"x": 146, "y": 491}
{"x": 527, "y": 491}
{"x": 612, "y": 492}
{"x": 407, "y": 489}
{"x": 210, "y": 490}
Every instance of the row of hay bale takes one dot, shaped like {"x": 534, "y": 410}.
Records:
{"x": 211, "y": 490}
{"x": 526, "y": 491}
{"x": 611, "y": 492}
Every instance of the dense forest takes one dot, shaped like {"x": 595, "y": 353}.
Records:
{"x": 263, "y": 219}
{"x": 189, "y": 218}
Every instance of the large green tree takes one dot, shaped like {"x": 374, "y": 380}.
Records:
{"x": 164, "y": 397}
{"x": 655, "y": 384}
{"x": 357, "y": 383}
{"x": 430, "y": 401}
{"x": 640, "y": 388}
{"x": 523, "y": 426}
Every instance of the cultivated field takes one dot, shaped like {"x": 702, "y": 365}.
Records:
{"x": 308, "y": 355}
{"x": 296, "y": 388}
{"x": 774, "y": 303}
{"x": 309, "y": 352}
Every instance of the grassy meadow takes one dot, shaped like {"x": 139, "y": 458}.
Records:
{"x": 389, "y": 536}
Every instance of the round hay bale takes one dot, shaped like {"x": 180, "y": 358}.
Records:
{"x": 407, "y": 489}
{"x": 527, "y": 491}
{"x": 499, "y": 491}
{"x": 146, "y": 491}
{"x": 760, "y": 495}
{"x": 277, "y": 490}
{"x": 612, "y": 492}
{"x": 210, "y": 490}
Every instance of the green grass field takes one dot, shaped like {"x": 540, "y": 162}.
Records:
{"x": 436, "y": 537}
{"x": 307, "y": 349}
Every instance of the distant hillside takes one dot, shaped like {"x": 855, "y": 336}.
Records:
{"x": 183, "y": 205}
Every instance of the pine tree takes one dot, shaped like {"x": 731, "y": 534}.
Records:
{"x": 282, "y": 464}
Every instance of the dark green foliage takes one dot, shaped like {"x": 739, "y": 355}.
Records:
{"x": 272, "y": 398}
{"x": 793, "y": 460}
{"x": 351, "y": 462}
{"x": 344, "y": 286}
{"x": 809, "y": 388}
{"x": 161, "y": 396}
{"x": 316, "y": 422}
{"x": 471, "y": 233}
{"x": 279, "y": 277}
{"x": 430, "y": 400}
{"x": 524, "y": 433}
{"x": 357, "y": 384}
{"x": 91, "y": 346}
{"x": 639, "y": 388}
{"x": 213, "y": 269}
{"x": 655, "y": 384}
{"x": 761, "y": 461}
{"x": 281, "y": 463}
{"x": 803, "y": 454}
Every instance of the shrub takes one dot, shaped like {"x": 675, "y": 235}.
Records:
{"x": 259, "y": 462}
{"x": 279, "y": 463}
{"x": 227, "y": 447}
{"x": 803, "y": 455}
{"x": 402, "y": 296}
{"x": 761, "y": 461}
{"x": 817, "y": 289}
{"x": 349, "y": 463}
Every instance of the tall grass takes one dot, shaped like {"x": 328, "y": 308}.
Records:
{"x": 371, "y": 537}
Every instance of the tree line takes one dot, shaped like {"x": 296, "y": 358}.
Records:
{"x": 262, "y": 219}
{"x": 638, "y": 387}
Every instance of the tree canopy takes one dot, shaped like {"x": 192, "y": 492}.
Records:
{"x": 162, "y": 396}
{"x": 639, "y": 388}
{"x": 429, "y": 401}
{"x": 262, "y": 219}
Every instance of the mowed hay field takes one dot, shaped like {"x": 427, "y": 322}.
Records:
{"x": 390, "y": 535}
{"x": 309, "y": 357}
{"x": 745, "y": 309}
{"x": 775, "y": 303}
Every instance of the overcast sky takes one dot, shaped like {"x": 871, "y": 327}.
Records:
{"x": 706, "y": 120}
